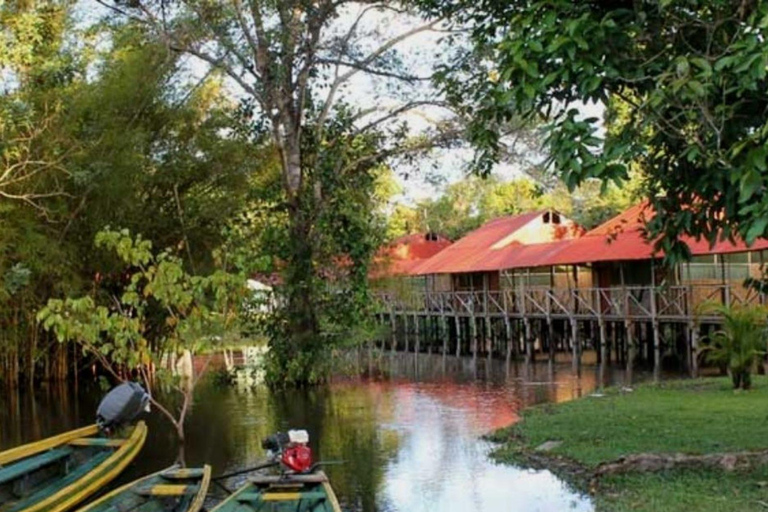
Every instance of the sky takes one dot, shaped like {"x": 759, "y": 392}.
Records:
{"x": 418, "y": 54}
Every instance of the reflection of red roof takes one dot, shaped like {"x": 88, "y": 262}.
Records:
{"x": 403, "y": 254}
{"x": 487, "y": 247}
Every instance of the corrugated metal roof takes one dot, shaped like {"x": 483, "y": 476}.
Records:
{"x": 480, "y": 250}
{"x": 619, "y": 239}
{"x": 401, "y": 255}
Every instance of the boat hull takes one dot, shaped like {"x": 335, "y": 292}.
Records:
{"x": 292, "y": 493}
{"x": 171, "y": 490}
{"x": 57, "y": 473}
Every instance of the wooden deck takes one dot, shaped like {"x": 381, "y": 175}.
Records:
{"x": 634, "y": 303}
{"x": 623, "y": 324}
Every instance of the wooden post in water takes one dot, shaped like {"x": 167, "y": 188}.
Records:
{"x": 527, "y": 341}
{"x": 551, "y": 339}
{"x": 458, "y": 334}
{"x": 405, "y": 332}
{"x": 576, "y": 363}
{"x": 444, "y": 332}
{"x": 694, "y": 338}
{"x": 630, "y": 337}
{"x": 417, "y": 326}
{"x": 393, "y": 324}
{"x": 603, "y": 356}
{"x": 655, "y": 328}
{"x": 473, "y": 334}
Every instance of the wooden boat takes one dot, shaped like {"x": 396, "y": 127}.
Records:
{"x": 55, "y": 474}
{"x": 171, "y": 490}
{"x": 290, "y": 493}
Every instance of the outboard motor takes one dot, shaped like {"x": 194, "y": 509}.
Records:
{"x": 291, "y": 448}
{"x": 122, "y": 405}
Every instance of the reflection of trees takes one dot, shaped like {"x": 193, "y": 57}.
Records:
{"x": 344, "y": 425}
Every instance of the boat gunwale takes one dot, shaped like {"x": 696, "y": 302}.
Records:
{"x": 318, "y": 478}
{"x": 99, "y": 476}
{"x": 194, "y": 506}
{"x": 37, "y": 447}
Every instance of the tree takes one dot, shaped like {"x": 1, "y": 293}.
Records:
{"x": 469, "y": 203}
{"x": 690, "y": 76}
{"x": 111, "y": 130}
{"x": 159, "y": 312}
{"x": 292, "y": 63}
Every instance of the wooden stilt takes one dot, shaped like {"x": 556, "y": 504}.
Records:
{"x": 458, "y": 335}
{"x": 694, "y": 337}
{"x": 444, "y": 333}
{"x": 551, "y": 340}
{"x": 405, "y": 332}
{"x": 473, "y": 334}
{"x": 603, "y": 355}
{"x": 630, "y": 337}
{"x": 527, "y": 342}
{"x": 393, "y": 325}
{"x": 510, "y": 341}
{"x": 417, "y": 328}
{"x": 488, "y": 336}
{"x": 575, "y": 346}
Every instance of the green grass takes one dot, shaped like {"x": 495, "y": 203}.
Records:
{"x": 684, "y": 491}
{"x": 693, "y": 416}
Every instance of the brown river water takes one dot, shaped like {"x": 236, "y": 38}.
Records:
{"x": 408, "y": 440}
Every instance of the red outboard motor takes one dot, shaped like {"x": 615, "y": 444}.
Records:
{"x": 292, "y": 448}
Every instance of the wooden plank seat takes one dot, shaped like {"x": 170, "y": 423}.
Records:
{"x": 182, "y": 473}
{"x": 97, "y": 441}
{"x": 280, "y": 496}
{"x": 33, "y": 463}
{"x": 314, "y": 478}
{"x": 168, "y": 490}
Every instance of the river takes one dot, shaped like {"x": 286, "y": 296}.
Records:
{"x": 405, "y": 441}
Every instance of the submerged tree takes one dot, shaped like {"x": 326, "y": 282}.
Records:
{"x": 690, "y": 78}
{"x": 157, "y": 312}
{"x": 292, "y": 63}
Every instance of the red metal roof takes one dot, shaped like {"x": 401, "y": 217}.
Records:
{"x": 487, "y": 247}
{"x": 619, "y": 239}
{"x": 402, "y": 254}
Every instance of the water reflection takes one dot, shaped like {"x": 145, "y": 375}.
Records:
{"x": 409, "y": 438}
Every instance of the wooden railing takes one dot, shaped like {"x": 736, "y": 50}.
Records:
{"x": 680, "y": 302}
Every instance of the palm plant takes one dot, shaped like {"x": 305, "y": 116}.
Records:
{"x": 740, "y": 343}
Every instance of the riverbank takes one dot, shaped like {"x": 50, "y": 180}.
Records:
{"x": 577, "y": 439}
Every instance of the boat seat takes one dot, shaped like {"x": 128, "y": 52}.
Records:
{"x": 281, "y": 496}
{"x": 33, "y": 463}
{"x": 183, "y": 473}
{"x": 97, "y": 441}
{"x": 168, "y": 490}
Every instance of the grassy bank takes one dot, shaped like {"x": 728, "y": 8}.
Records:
{"x": 695, "y": 416}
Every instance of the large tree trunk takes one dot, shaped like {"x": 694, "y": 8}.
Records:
{"x": 300, "y": 283}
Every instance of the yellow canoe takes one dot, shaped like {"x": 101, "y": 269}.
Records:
{"x": 55, "y": 474}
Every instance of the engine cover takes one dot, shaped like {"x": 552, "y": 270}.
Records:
{"x": 297, "y": 457}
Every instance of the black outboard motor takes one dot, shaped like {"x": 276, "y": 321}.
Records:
{"x": 121, "y": 405}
